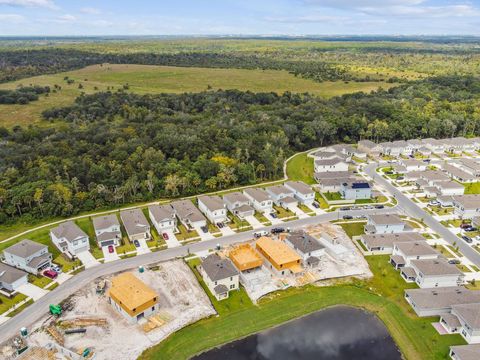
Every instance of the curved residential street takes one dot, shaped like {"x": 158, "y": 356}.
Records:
{"x": 412, "y": 209}
{"x": 40, "y": 307}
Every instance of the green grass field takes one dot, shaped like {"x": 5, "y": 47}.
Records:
{"x": 383, "y": 296}
{"x": 160, "y": 79}
{"x": 300, "y": 168}
{"x": 472, "y": 188}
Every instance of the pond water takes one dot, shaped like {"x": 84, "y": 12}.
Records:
{"x": 338, "y": 333}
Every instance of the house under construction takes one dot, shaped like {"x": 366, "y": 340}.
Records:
{"x": 244, "y": 257}
{"x": 282, "y": 259}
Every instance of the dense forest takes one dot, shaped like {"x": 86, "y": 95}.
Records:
{"x": 22, "y": 95}
{"x": 112, "y": 148}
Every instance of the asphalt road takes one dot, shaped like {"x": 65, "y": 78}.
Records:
{"x": 412, "y": 209}
{"x": 39, "y": 308}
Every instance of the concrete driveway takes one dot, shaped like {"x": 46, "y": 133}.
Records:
{"x": 110, "y": 256}
{"x": 274, "y": 221}
{"x": 252, "y": 220}
{"x": 143, "y": 249}
{"x": 297, "y": 211}
{"x": 87, "y": 259}
{"x": 226, "y": 230}
{"x": 315, "y": 210}
{"x": 172, "y": 239}
{"x": 204, "y": 236}
{"x": 32, "y": 291}
{"x": 61, "y": 278}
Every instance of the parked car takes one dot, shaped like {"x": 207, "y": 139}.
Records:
{"x": 467, "y": 239}
{"x": 52, "y": 274}
{"x": 426, "y": 160}
{"x": 111, "y": 249}
{"x": 165, "y": 236}
{"x": 361, "y": 217}
{"x": 433, "y": 203}
{"x": 57, "y": 269}
{"x": 220, "y": 225}
{"x": 471, "y": 228}
{"x": 346, "y": 208}
{"x": 316, "y": 205}
{"x": 277, "y": 230}
{"x": 347, "y": 217}
{"x": 401, "y": 178}
{"x": 389, "y": 172}
{"x": 465, "y": 226}
{"x": 379, "y": 206}
{"x": 273, "y": 215}
{"x": 261, "y": 233}
{"x": 136, "y": 243}
{"x": 454, "y": 261}
{"x": 204, "y": 229}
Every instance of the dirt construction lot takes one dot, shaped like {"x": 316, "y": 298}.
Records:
{"x": 182, "y": 301}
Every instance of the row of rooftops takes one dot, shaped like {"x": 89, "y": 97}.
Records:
{"x": 419, "y": 143}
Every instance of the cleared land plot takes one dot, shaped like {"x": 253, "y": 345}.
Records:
{"x": 165, "y": 79}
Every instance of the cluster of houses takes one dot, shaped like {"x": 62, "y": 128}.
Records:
{"x": 440, "y": 292}
{"x": 331, "y": 171}
{"x": 289, "y": 255}
{"x": 424, "y": 147}
{"x": 19, "y": 260}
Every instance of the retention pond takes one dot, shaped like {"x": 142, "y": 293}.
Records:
{"x": 338, "y": 333}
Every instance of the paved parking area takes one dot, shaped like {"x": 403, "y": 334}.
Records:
{"x": 110, "y": 256}
{"x": 172, "y": 239}
{"x": 87, "y": 259}
{"x": 143, "y": 249}
{"x": 32, "y": 291}
{"x": 252, "y": 220}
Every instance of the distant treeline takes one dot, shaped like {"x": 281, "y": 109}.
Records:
{"x": 20, "y": 64}
{"x": 114, "y": 148}
{"x": 22, "y": 95}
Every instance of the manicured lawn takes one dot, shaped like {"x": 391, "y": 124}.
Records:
{"x": 6, "y": 303}
{"x": 463, "y": 268}
{"x": 306, "y": 209}
{"x": 383, "y": 295}
{"x": 40, "y": 281}
{"x": 260, "y": 217}
{"x": 444, "y": 251}
{"x": 300, "y": 168}
{"x": 332, "y": 196}
{"x": 65, "y": 264}
{"x": 321, "y": 201}
{"x": 236, "y": 223}
{"x": 441, "y": 210}
{"x": 353, "y": 228}
{"x": 283, "y": 213}
{"x": 86, "y": 225}
{"x": 185, "y": 234}
{"x": 472, "y": 188}
{"x": 41, "y": 236}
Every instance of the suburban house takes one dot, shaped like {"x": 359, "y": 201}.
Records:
{"x": 281, "y": 258}
{"x": 450, "y": 188}
{"x": 468, "y": 316}
{"x": 439, "y": 301}
{"x": 219, "y": 275}
{"x": 332, "y": 181}
{"x": 107, "y": 230}
{"x": 384, "y": 224}
{"x": 188, "y": 214}
{"x": 432, "y": 273}
{"x": 163, "y": 218}
{"x": 282, "y": 196}
{"x": 413, "y": 165}
{"x": 301, "y": 191}
{"x": 245, "y": 258}
{"x": 369, "y": 147}
{"x": 355, "y": 190}
{"x": 213, "y": 208}
{"x": 469, "y": 165}
{"x": 445, "y": 201}
{"x": 309, "y": 248}
{"x": 435, "y": 146}
{"x": 404, "y": 252}
{"x": 465, "y": 352}
{"x": 328, "y": 165}
{"x": 29, "y": 256}
{"x": 69, "y": 238}
{"x": 466, "y": 206}
{"x": 11, "y": 279}
{"x": 459, "y": 174}
{"x": 132, "y": 298}
{"x": 238, "y": 204}
{"x": 425, "y": 151}
{"x": 433, "y": 177}
{"x": 260, "y": 199}
{"x": 414, "y": 144}
{"x": 136, "y": 224}
{"x": 384, "y": 243}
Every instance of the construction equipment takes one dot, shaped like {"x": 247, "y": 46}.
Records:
{"x": 86, "y": 352}
{"x": 100, "y": 288}
{"x": 55, "y": 310}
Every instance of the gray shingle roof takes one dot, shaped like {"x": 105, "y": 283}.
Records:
{"x": 387, "y": 240}
{"x": 300, "y": 187}
{"x": 104, "y": 222}
{"x": 9, "y": 274}
{"x": 386, "y": 219}
{"x": 435, "y": 267}
{"x": 134, "y": 221}
{"x": 235, "y": 197}
{"x": 466, "y": 352}
{"x": 212, "y": 203}
{"x": 257, "y": 194}
{"x": 25, "y": 248}
{"x": 187, "y": 211}
{"x": 217, "y": 268}
{"x": 161, "y": 212}
{"x": 416, "y": 248}
{"x": 68, "y": 230}
{"x": 470, "y": 313}
{"x": 304, "y": 242}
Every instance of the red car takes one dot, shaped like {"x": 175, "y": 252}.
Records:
{"x": 50, "y": 274}
{"x": 165, "y": 236}
{"x": 111, "y": 249}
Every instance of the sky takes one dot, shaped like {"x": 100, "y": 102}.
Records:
{"x": 239, "y": 17}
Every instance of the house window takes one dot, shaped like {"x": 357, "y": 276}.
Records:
{"x": 231, "y": 278}
{"x": 153, "y": 308}
{"x": 216, "y": 283}
{"x": 232, "y": 286}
